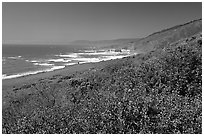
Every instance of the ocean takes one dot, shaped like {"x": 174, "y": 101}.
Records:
{"x": 22, "y": 60}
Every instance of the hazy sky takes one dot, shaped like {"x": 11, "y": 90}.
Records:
{"x": 65, "y": 22}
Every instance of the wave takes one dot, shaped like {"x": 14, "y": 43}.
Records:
{"x": 102, "y": 58}
{"x": 71, "y": 55}
{"x": 68, "y": 64}
{"x": 55, "y": 68}
{"x": 15, "y": 57}
{"x": 59, "y": 60}
{"x": 88, "y": 59}
{"x": 87, "y": 50}
{"x": 4, "y": 76}
{"x": 3, "y": 60}
{"x": 114, "y": 57}
{"x": 100, "y": 53}
{"x": 34, "y": 61}
{"x": 43, "y": 64}
{"x": 109, "y": 52}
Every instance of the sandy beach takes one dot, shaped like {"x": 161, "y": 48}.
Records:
{"x": 21, "y": 85}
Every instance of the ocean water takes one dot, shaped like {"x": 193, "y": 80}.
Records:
{"x": 22, "y": 60}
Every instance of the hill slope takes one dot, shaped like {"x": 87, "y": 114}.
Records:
{"x": 168, "y": 36}
{"x": 148, "y": 43}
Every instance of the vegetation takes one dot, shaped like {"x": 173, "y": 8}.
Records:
{"x": 156, "y": 92}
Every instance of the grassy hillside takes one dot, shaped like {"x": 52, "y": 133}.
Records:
{"x": 150, "y": 42}
{"x": 161, "y": 38}
{"x": 168, "y": 36}
{"x": 154, "y": 92}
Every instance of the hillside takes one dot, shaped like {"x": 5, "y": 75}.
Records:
{"x": 150, "y": 42}
{"x": 103, "y": 43}
{"x": 158, "y": 91}
{"x": 168, "y": 36}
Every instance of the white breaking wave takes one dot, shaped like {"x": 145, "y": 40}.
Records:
{"x": 16, "y": 57}
{"x": 88, "y": 59}
{"x": 68, "y": 64}
{"x": 102, "y": 58}
{"x": 55, "y": 68}
{"x": 4, "y": 76}
{"x": 33, "y": 61}
{"x": 43, "y": 64}
{"x": 49, "y": 60}
{"x": 103, "y": 52}
{"x": 90, "y": 51}
{"x": 114, "y": 57}
{"x": 59, "y": 60}
{"x": 100, "y": 53}
{"x": 72, "y": 55}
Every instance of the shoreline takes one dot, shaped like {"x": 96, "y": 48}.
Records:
{"x": 32, "y": 73}
{"x": 10, "y": 85}
{"x": 46, "y": 74}
{"x": 79, "y": 60}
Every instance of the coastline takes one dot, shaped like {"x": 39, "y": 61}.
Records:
{"x": 54, "y": 62}
{"x": 48, "y": 73}
{"x": 10, "y": 85}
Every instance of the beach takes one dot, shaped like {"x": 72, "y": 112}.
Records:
{"x": 21, "y": 85}
{"x": 20, "y": 60}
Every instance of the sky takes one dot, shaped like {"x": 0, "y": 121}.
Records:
{"x": 37, "y": 23}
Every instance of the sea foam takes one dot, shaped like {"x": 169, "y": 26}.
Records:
{"x": 71, "y": 55}
{"x": 4, "y": 76}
